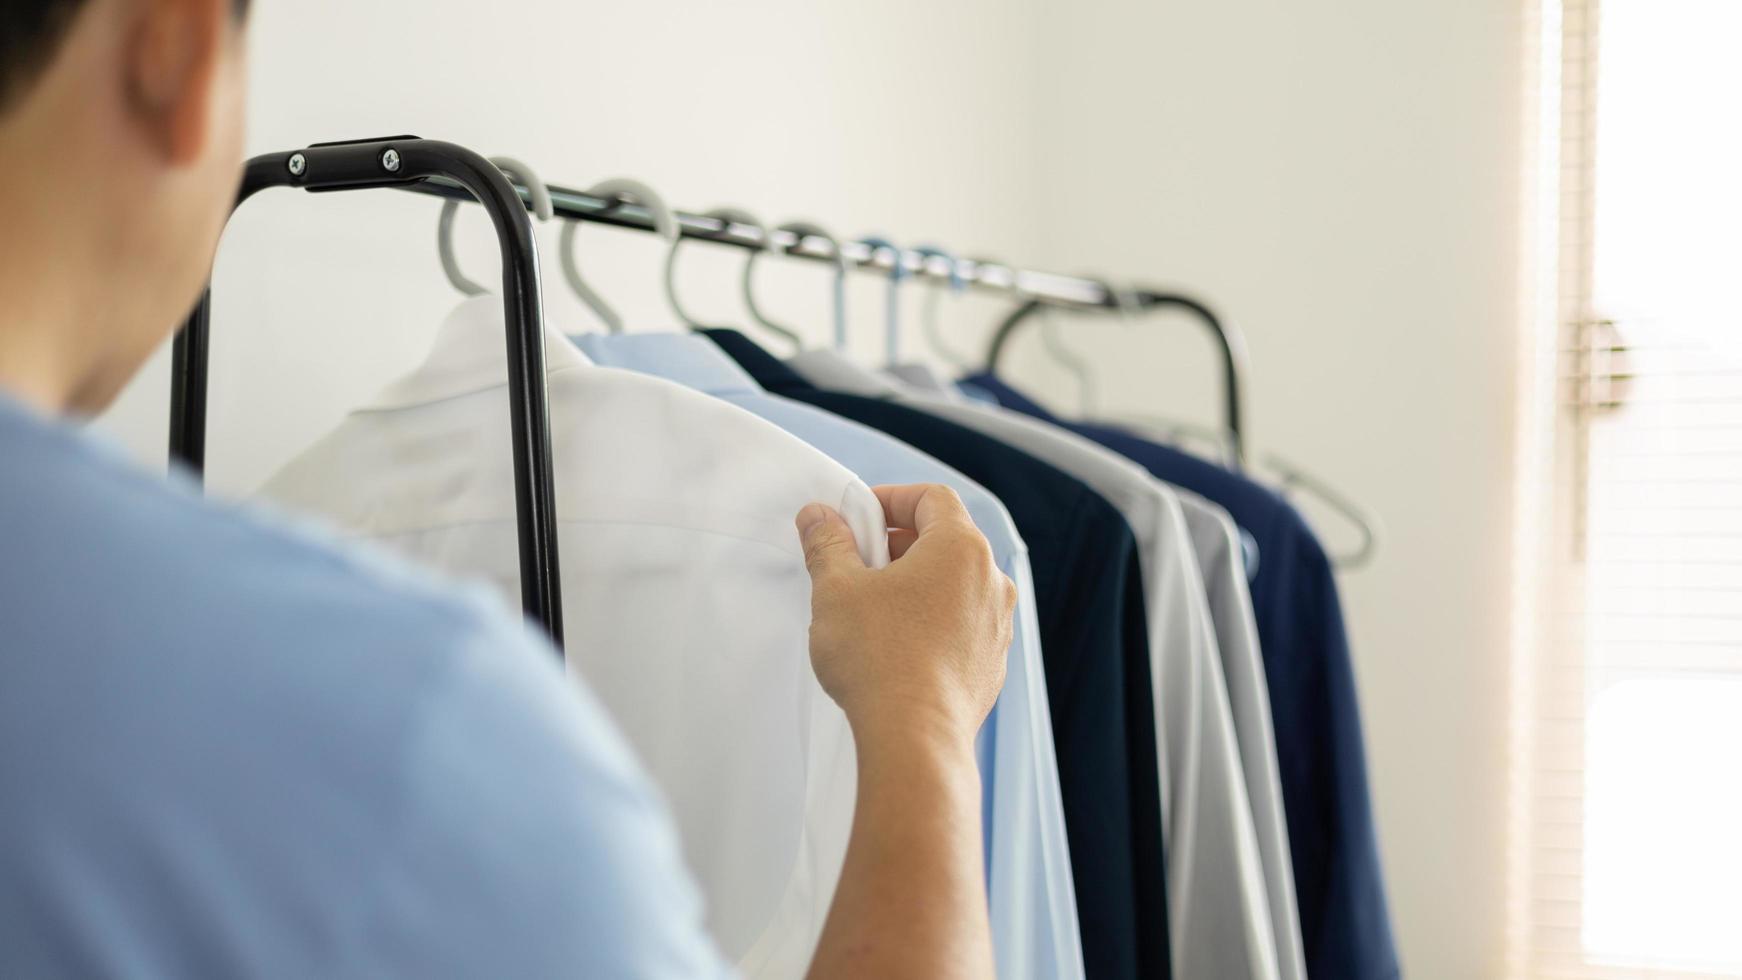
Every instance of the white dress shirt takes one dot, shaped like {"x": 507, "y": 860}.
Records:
{"x": 685, "y": 596}
{"x": 1219, "y": 912}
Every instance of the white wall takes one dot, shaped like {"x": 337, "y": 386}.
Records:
{"x": 1339, "y": 176}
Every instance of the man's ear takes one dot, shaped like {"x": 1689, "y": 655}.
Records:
{"x": 173, "y": 51}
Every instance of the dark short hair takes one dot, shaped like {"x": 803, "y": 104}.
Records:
{"x": 31, "y": 32}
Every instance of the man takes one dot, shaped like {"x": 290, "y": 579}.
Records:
{"x": 229, "y": 748}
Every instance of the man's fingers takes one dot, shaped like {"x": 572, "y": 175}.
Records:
{"x": 918, "y": 506}
{"x": 828, "y": 541}
{"x": 901, "y": 539}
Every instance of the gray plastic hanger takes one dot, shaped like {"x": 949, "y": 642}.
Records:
{"x": 1088, "y": 388}
{"x": 621, "y": 190}
{"x": 1077, "y": 366}
{"x": 1175, "y": 432}
{"x": 1364, "y": 521}
{"x": 933, "y": 298}
{"x": 729, "y": 216}
{"x": 892, "y": 310}
{"x": 1169, "y": 430}
{"x": 1289, "y": 476}
{"x": 800, "y": 230}
{"x": 541, "y": 208}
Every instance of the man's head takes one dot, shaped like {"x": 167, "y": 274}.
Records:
{"x": 120, "y": 149}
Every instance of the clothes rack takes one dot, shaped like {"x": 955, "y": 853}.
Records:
{"x": 407, "y": 161}
{"x": 446, "y": 170}
{"x": 1046, "y": 287}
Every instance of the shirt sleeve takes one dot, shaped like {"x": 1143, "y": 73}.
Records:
{"x": 530, "y": 843}
{"x": 863, "y": 512}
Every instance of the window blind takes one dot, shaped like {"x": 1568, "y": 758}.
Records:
{"x": 1626, "y": 850}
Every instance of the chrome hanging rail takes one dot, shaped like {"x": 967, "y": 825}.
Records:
{"x": 1035, "y": 289}
{"x": 1057, "y": 290}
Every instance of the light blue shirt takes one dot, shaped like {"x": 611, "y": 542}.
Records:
{"x": 1033, "y": 903}
{"x": 229, "y": 748}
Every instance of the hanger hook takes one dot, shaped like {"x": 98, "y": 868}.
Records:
{"x": 541, "y": 209}
{"x": 897, "y": 272}
{"x": 800, "y": 230}
{"x": 1129, "y": 304}
{"x": 1364, "y": 521}
{"x": 958, "y": 283}
{"x": 1077, "y": 366}
{"x": 1131, "y": 301}
{"x": 618, "y": 191}
{"x": 727, "y": 217}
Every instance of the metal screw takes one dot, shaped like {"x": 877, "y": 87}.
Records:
{"x": 298, "y": 163}
{"x": 390, "y": 160}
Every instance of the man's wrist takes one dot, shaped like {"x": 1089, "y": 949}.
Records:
{"x": 911, "y": 728}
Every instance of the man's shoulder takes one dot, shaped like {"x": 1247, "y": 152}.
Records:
{"x": 106, "y": 556}
{"x": 295, "y": 731}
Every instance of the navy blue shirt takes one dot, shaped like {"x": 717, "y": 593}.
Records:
{"x": 1095, "y": 647}
{"x": 1345, "y": 925}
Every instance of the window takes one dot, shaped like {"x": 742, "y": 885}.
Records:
{"x": 1627, "y": 818}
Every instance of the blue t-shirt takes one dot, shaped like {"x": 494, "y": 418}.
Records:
{"x": 229, "y": 748}
{"x": 1345, "y": 922}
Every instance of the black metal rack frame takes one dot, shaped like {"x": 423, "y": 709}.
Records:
{"x": 406, "y": 161}
{"x": 1229, "y": 344}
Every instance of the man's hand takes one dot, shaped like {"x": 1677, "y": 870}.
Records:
{"x": 921, "y": 642}
{"x": 914, "y": 654}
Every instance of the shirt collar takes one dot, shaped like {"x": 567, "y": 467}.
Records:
{"x": 767, "y": 369}
{"x": 685, "y": 358}
{"x": 834, "y": 371}
{"x": 470, "y": 355}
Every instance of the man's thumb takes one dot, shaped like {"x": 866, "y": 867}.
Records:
{"x": 828, "y": 541}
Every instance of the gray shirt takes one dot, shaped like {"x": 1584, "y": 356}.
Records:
{"x": 1221, "y": 558}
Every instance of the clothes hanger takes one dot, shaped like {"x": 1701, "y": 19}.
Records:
{"x": 801, "y": 230}
{"x": 1077, "y": 366}
{"x": 727, "y": 217}
{"x": 1170, "y": 430}
{"x": 933, "y": 298}
{"x": 1074, "y": 364}
{"x": 1365, "y": 522}
{"x": 1289, "y": 476}
{"x": 747, "y": 286}
{"x": 892, "y": 308}
{"x": 541, "y": 209}
{"x": 619, "y": 191}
